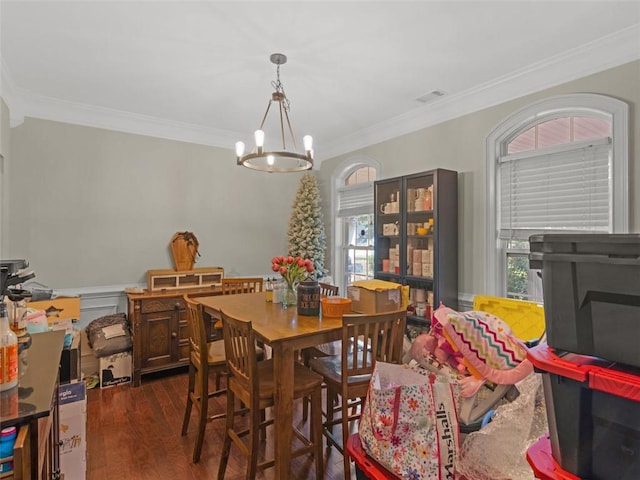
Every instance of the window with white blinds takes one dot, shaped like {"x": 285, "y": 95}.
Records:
{"x": 557, "y": 165}
{"x": 563, "y": 188}
{"x": 355, "y": 200}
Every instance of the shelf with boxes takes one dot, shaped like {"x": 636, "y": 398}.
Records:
{"x": 416, "y": 238}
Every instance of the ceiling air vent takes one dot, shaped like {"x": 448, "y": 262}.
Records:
{"x": 428, "y": 97}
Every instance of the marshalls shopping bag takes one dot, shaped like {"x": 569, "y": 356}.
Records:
{"x": 409, "y": 422}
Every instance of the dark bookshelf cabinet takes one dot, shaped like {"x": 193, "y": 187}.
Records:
{"x": 416, "y": 234}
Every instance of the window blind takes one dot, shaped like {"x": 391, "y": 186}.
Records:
{"x": 561, "y": 189}
{"x": 355, "y": 200}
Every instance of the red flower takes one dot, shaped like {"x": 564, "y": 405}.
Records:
{"x": 293, "y": 270}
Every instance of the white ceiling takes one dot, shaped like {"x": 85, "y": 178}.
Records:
{"x": 200, "y": 70}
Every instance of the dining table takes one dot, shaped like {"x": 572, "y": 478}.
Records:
{"x": 286, "y": 333}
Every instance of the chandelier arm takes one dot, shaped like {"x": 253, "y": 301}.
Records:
{"x": 265, "y": 114}
{"x": 293, "y": 138}
{"x": 284, "y": 143}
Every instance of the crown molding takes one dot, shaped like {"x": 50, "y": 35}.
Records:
{"x": 48, "y": 108}
{"x": 10, "y": 97}
{"x": 607, "y": 52}
{"x": 604, "y": 53}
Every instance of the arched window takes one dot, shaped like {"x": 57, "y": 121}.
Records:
{"x": 556, "y": 166}
{"x": 353, "y": 225}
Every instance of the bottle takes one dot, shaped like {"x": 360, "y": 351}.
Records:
{"x": 268, "y": 290}
{"x": 278, "y": 292}
{"x": 8, "y": 352}
{"x": 428, "y": 197}
{"x": 17, "y": 322}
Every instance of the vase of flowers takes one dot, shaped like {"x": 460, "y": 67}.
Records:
{"x": 293, "y": 271}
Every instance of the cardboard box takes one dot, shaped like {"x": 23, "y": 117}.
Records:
{"x": 115, "y": 369}
{"x": 61, "y": 312}
{"x": 72, "y": 401}
{"x": 375, "y": 297}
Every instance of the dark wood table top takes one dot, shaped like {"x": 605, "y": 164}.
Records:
{"x": 37, "y": 380}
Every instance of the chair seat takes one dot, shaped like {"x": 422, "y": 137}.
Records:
{"x": 216, "y": 352}
{"x": 304, "y": 380}
{"x": 325, "y": 349}
{"x": 331, "y": 369}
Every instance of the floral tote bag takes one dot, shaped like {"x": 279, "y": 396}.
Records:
{"x": 409, "y": 422}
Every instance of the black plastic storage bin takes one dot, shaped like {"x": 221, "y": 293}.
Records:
{"x": 593, "y": 409}
{"x": 591, "y": 289}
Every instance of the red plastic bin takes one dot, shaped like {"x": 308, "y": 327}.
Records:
{"x": 593, "y": 411}
{"x": 543, "y": 464}
{"x": 366, "y": 467}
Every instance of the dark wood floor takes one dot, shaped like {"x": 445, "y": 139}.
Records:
{"x": 134, "y": 433}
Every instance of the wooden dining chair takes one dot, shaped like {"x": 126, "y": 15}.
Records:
{"x": 328, "y": 290}
{"x": 366, "y": 339}
{"x": 235, "y": 285}
{"x": 204, "y": 358}
{"x": 251, "y": 382}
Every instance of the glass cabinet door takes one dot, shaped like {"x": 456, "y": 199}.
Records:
{"x": 389, "y": 229}
{"x": 419, "y": 225}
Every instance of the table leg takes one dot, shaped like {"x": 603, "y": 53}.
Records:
{"x": 283, "y": 425}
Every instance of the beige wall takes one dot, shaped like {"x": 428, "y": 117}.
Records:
{"x": 4, "y": 151}
{"x": 459, "y": 145}
{"x": 92, "y": 207}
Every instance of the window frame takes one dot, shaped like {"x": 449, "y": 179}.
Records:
{"x": 580, "y": 104}
{"x": 348, "y": 166}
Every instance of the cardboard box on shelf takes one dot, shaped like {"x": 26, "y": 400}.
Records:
{"x": 61, "y": 312}
{"x": 375, "y": 296}
{"x": 115, "y": 369}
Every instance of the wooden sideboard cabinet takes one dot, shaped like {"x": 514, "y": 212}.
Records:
{"x": 159, "y": 329}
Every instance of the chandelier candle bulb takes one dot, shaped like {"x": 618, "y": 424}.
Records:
{"x": 308, "y": 142}
{"x": 259, "y": 136}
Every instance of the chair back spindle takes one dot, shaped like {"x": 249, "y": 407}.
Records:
{"x": 328, "y": 290}
{"x": 235, "y": 285}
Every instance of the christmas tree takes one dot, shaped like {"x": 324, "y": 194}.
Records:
{"x": 306, "y": 234}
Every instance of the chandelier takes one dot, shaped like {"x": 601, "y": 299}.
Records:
{"x": 278, "y": 161}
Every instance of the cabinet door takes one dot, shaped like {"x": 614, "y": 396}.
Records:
{"x": 431, "y": 223}
{"x": 420, "y": 244}
{"x": 159, "y": 338}
{"x": 419, "y": 226}
{"x": 388, "y": 230}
